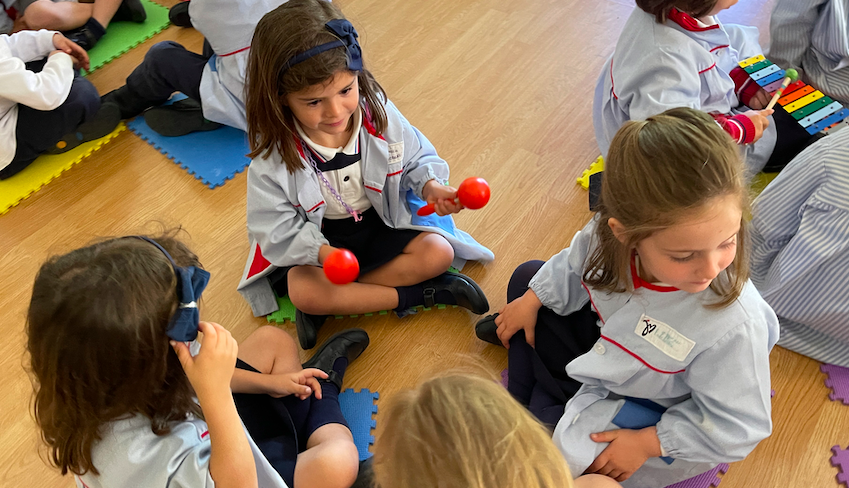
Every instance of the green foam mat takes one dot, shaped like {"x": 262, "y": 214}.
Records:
{"x": 287, "y": 311}
{"x": 122, "y": 36}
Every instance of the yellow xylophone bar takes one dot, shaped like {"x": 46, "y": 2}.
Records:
{"x": 803, "y": 101}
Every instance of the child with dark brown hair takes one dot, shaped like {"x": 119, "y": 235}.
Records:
{"x": 651, "y": 343}
{"x": 336, "y": 165}
{"x": 123, "y": 399}
{"x": 676, "y": 53}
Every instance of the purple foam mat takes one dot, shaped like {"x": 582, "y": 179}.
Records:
{"x": 707, "y": 479}
{"x": 838, "y": 381}
{"x": 840, "y": 460}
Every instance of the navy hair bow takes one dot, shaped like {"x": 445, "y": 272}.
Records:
{"x": 347, "y": 38}
{"x": 191, "y": 282}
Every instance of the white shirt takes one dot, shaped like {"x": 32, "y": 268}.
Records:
{"x": 347, "y": 181}
{"x": 46, "y": 90}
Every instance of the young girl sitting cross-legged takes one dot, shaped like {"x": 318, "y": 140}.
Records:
{"x": 336, "y": 165}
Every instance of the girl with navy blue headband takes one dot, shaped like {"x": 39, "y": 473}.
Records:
{"x": 124, "y": 396}
{"x": 336, "y": 165}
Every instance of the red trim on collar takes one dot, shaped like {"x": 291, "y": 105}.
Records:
{"x": 612, "y": 86}
{"x": 234, "y": 52}
{"x": 708, "y": 68}
{"x": 592, "y": 302}
{"x": 639, "y": 282}
{"x": 316, "y": 206}
{"x": 719, "y": 47}
{"x": 687, "y": 22}
{"x": 638, "y": 358}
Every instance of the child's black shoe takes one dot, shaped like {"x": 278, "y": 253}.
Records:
{"x": 348, "y": 344}
{"x": 486, "y": 330}
{"x": 178, "y": 119}
{"x": 179, "y": 14}
{"x": 104, "y": 121}
{"x": 307, "y": 327}
{"x": 131, "y": 11}
{"x": 464, "y": 291}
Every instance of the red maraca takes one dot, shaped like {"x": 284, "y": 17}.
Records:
{"x": 473, "y": 193}
{"x": 341, "y": 267}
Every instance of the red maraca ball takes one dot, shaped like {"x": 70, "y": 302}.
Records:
{"x": 473, "y": 193}
{"x": 341, "y": 267}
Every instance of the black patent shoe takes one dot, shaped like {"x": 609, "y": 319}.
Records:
{"x": 307, "y": 326}
{"x": 465, "y": 291}
{"x": 178, "y": 119}
{"x": 131, "y": 11}
{"x": 365, "y": 476}
{"x": 486, "y": 329}
{"x": 347, "y": 344}
{"x": 82, "y": 37}
{"x": 179, "y": 15}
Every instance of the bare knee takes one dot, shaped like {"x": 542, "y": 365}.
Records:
{"x": 307, "y": 289}
{"x": 341, "y": 461}
{"x": 438, "y": 254}
{"x": 274, "y": 338}
{"x": 42, "y": 15}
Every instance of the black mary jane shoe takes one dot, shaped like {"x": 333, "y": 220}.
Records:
{"x": 465, "y": 291}
{"x": 348, "y": 344}
{"x": 307, "y": 326}
{"x": 486, "y": 330}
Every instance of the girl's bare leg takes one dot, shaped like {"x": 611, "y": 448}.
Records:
{"x": 312, "y": 293}
{"x": 426, "y": 256}
{"x": 330, "y": 461}
{"x": 61, "y": 16}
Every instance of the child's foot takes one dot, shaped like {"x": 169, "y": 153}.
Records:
{"x": 178, "y": 119}
{"x": 88, "y": 35}
{"x": 132, "y": 11}
{"x": 337, "y": 353}
{"x": 307, "y": 326}
{"x": 446, "y": 289}
{"x": 179, "y": 14}
{"x": 486, "y": 329}
{"x": 105, "y": 120}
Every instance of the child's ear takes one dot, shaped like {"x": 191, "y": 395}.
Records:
{"x": 617, "y": 228}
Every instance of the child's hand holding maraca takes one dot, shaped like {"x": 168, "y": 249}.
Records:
{"x": 443, "y": 198}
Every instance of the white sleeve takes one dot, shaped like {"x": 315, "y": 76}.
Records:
{"x": 558, "y": 283}
{"x": 46, "y": 90}
{"x": 729, "y": 411}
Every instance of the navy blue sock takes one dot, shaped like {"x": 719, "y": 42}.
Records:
{"x": 327, "y": 410}
{"x": 95, "y": 27}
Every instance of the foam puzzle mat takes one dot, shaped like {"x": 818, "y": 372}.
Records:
{"x": 358, "y": 408}
{"x": 123, "y": 36}
{"x": 46, "y": 168}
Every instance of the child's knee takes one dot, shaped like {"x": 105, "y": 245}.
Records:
{"x": 306, "y": 290}
{"x": 343, "y": 460}
{"x": 438, "y": 252}
{"x": 161, "y": 52}
{"x": 41, "y": 15}
{"x": 83, "y": 97}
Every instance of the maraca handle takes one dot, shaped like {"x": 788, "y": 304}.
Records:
{"x": 426, "y": 210}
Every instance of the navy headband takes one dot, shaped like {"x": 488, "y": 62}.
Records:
{"x": 191, "y": 282}
{"x": 347, "y": 38}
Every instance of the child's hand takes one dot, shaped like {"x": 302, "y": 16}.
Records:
{"x": 628, "y": 450}
{"x": 517, "y": 315}
{"x": 760, "y": 120}
{"x": 211, "y": 370}
{"x": 759, "y": 100}
{"x": 71, "y": 48}
{"x": 443, "y": 198}
{"x": 301, "y": 384}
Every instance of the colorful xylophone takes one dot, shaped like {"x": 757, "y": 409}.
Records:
{"x": 814, "y": 111}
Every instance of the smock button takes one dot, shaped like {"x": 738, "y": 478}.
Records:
{"x": 347, "y": 178}
{"x": 599, "y": 348}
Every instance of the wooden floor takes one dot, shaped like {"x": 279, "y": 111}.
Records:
{"x": 504, "y": 91}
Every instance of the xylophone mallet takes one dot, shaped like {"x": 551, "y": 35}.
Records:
{"x": 790, "y": 76}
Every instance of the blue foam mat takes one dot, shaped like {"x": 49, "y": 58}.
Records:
{"x": 213, "y": 157}
{"x": 358, "y": 407}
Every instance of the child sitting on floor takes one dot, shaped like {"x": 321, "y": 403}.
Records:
{"x": 121, "y": 400}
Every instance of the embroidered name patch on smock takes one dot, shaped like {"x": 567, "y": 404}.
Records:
{"x": 664, "y": 337}
{"x": 396, "y": 152}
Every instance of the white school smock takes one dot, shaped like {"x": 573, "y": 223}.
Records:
{"x": 813, "y": 36}
{"x": 709, "y": 367}
{"x": 656, "y": 67}
{"x": 130, "y": 454}
{"x": 800, "y": 250}
{"x": 46, "y": 90}
{"x": 285, "y": 210}
{"x": 229, "y": 27}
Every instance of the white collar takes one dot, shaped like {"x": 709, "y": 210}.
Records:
{"x": 350, "y": 148}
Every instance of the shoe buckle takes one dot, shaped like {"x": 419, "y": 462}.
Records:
{"x": 429, "y": 297}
